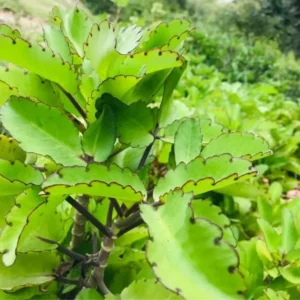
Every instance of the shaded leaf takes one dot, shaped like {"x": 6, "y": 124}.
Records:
{"x": 10, "y": 150}
{"x": 201, "y": 175}
{"x": 175, "y": 235}
{"x": 38, "y": 128}
{"x": 31, "y": 268}
{"x": 88, "y": 294}
{"x": 187, "y": 145}
{"x": 99, "y": 138}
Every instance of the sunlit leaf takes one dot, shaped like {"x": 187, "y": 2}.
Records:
{"x": 175, "y": 237}
{"x": 128, "y": 38}
{"x": 10, "y": 150}
{"x": 6, "y": 30}
{"x": 38, "y": 128}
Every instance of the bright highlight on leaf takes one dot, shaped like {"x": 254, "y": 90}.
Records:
{"x": 179, "y": 239}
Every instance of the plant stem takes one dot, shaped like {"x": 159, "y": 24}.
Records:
{"x": 79, "y": 223}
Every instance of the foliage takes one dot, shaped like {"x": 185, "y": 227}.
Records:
{"x": 119, "y": 176}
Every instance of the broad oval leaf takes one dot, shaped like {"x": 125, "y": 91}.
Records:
{"x": 201, "y": 175}
{"x": 39, "y": 60}
{"x": 31, "y": 269}
{"x": 245, "y": 145}
{"x": 175, "y": 237}
{"x": 135, "y": 124}
{"x": 99, "y": 138}
{"x": 10, "y": 150}
{"x": 187, "y": 145}
{"x": 38, "y": 129}
{"x": 6, "y": 92}
{"x": 16, "y": 220}
{"x": 97, "y": 180}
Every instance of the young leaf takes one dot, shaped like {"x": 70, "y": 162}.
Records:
{"x": 10, "y": 150}
{"x": 29, "y": 85}
{"x": 16, "y": 220}
{"x": 42, "y": 129}
{"x": 175, "y": 235}
{"x": 289, "y": 236}
{"x": 201, "y": 175}
{"x": 244, "y": 145}
{"x": 31, "y": 269}
{"x": 206, "y": 210}
{"x": 150, "y": 289}
{"x": 88, "y": 294}
{"x": 291, "y": 273}
{"x": 99, "y": 139}
{"x": 57, "y": 42}
{"x": 187, "y": 145}
{"x": 135, "y": 125}
{"x": 38, "y": 60}
{"x": 97, "y": 180}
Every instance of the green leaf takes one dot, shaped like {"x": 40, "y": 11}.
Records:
{"x": 58, "y": 43}
{"x": 264, "y": 208}
{"x": 135, "y": 125}
{"x": 31, "y": 269}
{"x": 6, "y": 92}
{"x": 38, "y": 128}
{"x": 6, "y": 30}
{"x": 166, "y": 107}
{"x": 6, "y": 204}
{"x": 97, "y": 180}
{"x": 163, "y": 33}
{"x": 53, "y": 227}
{"x": 10, "y": 150}
{"x": 289, "y": 236}
{"x": 275, "y": 192}
{"x": 29, "y": 85}
{"x": 271, "y": 236}
{"x": 206, "y": 210}
{"x": 201, "y": 175}
{"x": 16, "y": 220}
{"x": 150, "y": 289}
{"x": 128, "y": 38}
{"x": 210, "y": 130}
{"x": 251, "y": 266}
{"x": 175, "y": 235}
{"x": 17, "y": 171}
{"x": 88, "y": 294}
{"x": 121, "y": 3}
{"x": 121, "y": 256}
{"x": 188, "y": 139}
{"x": 244, "y": 145}
{"x": 39, "y": 60}
{"x": 291, "y": 273}
{"x": 99, "y": 138}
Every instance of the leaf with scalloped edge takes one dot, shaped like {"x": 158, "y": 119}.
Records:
{"x": 245, "y": 145}
{"x": 76, "y": 26}
{"x": 38, "y": 129}
{"x": 100, "y": 50}
{"x": 176, "y": 43}
{"x": 10, "y": 150}
{"x": 142, "y": 63}
{"x": 196, "y": 247}
{"x": 187, "y": 145}
{"x": 99, "y": 138}
{"x": 135, "y": 125}
{"x": 57, "y": 42}
{"x": 39, "y": 60}
{"x": 6, "y": 30}
{"x": 150, "y": 289}
{"x": 17, "y": 171}
{"x": 6, "y": 204}
{"x": 6, "y": 92}
{"x": 128, "y": 38}
{"x": 16, "y": 220}
{"x": 31, "y": 269}
{"x": 54, "y": 226}
{"x": 209, "y": 130}
{"x": 205, "y": 209}
{"x": 201, "y": 176}
{"x": 163, "y": 33}
{"x": 118, "y": 87}
{"x": 29, "y": 85}
{"x": 96, "y": 180}
{"x": 11, "y": 188}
